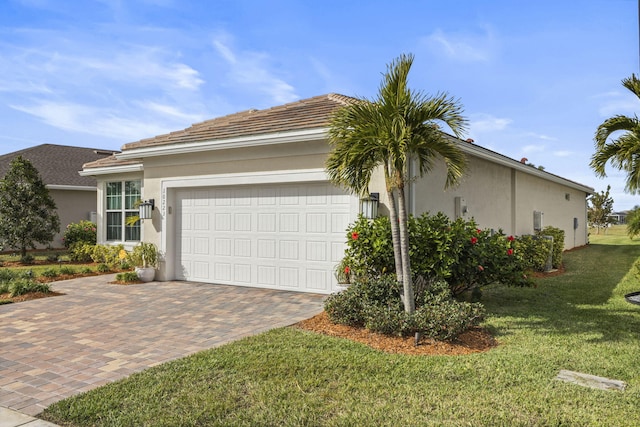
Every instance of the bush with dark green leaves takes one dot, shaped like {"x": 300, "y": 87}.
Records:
{"x": 456, "y": 251}
{"x": 558, "y": 243}
{"x": 375, "y": 303}
{"x": 19, "y": 287}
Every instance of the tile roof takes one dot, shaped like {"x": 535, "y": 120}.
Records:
{"x": 57, "y": 164}
{"x": 304, "y": 114}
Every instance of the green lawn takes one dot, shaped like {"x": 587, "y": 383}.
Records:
{"x": 577, "y": 321}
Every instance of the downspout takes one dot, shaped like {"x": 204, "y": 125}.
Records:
{"x": 514, "y": 200}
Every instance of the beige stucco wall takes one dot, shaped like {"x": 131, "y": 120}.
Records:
{"x": 72, "y": 206}
{"x": 498, "y": 197}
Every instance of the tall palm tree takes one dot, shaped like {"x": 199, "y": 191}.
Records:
{"x": 388, "y": 132}
{"x": 622, "y": 152}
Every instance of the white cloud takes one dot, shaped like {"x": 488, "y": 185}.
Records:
{"x": 250, "y": 70}
{"x": 172, "y": 112}
{"x": 532, "y": 148}
{"x": 463, "y": 47}
{"x": 563, "y": 153}
{"x": 479, "y": 123}
{"x": 93, "y": 121}
{"x": 540, "y": 136}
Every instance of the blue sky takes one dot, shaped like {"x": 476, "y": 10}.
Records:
{"x": 536, "y": 78}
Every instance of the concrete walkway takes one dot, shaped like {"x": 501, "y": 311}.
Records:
{"x": 96, "y": 333}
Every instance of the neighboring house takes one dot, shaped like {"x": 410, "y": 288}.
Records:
{"x": 244, "y": 199}
{"x": 619, "y": 217}
{"x": 58, "y": 166}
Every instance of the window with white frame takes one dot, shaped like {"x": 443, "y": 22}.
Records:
{"x": 121, "y": 203}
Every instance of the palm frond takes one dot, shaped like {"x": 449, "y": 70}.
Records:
{"x": 615, "y": 124}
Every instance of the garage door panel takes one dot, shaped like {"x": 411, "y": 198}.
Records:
{"x": 267, "y": 248}
{"x": 316, "y": 251}
{"x": 242, "y": 248}
{"x": 282, "y": 236}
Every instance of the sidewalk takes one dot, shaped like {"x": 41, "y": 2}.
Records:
{"x": 11, "y": 418}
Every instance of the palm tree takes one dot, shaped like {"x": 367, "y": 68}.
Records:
{"x": 388, "y": 132}
{"x": 624, "y": 151}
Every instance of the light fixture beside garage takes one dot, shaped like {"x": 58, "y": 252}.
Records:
{"x": 145, "y": 208}
{"x": 369, "y": 205}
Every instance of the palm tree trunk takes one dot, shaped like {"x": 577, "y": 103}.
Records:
{"x": 409, "y": 299}
{"x": 395, "y": 235}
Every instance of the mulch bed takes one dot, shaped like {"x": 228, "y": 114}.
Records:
{"x": 473, "y": 341}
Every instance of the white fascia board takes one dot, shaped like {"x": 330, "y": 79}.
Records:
{"x": 109, "y": 170}
{"x": 71, "y": 187}
{"x": 221, "y": 144}
{"x": 493, "y": 157}
{"x": 266, "y": 177}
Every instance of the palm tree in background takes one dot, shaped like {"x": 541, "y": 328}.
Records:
{"x": 399, "y": 126}
{"x": 622, "y": 152}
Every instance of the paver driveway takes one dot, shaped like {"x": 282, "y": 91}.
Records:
{"x": 97, "y": 332}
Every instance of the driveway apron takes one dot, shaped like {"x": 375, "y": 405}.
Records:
{"x": 96, "y": 333}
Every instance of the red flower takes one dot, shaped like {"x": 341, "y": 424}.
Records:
{"x": 478, "y": 231}
{"x": 347, "y": 270}
{"x": 509, "y": 251}
{"x": 480, "y": 268}
{"x": 355, "y": 235}
{"x": 511, "y": 238}
{"x": 474, "y": 240}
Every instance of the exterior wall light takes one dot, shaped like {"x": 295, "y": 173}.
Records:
{"x": 145, "y": 208}
{"x": 369, "y": 205}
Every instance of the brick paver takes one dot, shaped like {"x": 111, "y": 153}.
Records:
{"x": 98, "y": 332}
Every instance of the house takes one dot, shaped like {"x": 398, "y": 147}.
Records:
{"x": 244, "y": 199}
{"x": 619, "y": 217}
{"x": 58, "y": 166}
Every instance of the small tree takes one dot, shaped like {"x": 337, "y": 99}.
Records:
{"x": 599, "y": 209}
{"x": 633, "y": 222}
{"x": 27, "y": 211}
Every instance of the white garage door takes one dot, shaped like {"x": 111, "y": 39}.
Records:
{"x": 279, "y": 236}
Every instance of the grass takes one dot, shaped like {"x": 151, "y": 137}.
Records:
{"x": 577, "y": 321}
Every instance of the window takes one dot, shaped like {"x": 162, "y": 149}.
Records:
{"x": 122, "y": 197}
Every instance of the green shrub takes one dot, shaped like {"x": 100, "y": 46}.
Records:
{"x": 67, "y": 271}
{"x": 52, "y": 258}
{"x": 558, "y": 243}
{"x": 534, "y": 251}
{"x": 28, "y": 259}
{"x": 444, "y": 318}
{"x": 81, "y": 232}
{"x": 376, "y": 305}
{"x": 103, "y": 268}
{"x": 5, "y": 301}
{"x": 23, "y": 286}
{"x": 25, "y": 274}
{"x": 346, "y": 307}
{"x": 388, "y": 320}
{"x": 127, "y": 276}
{"x": 458, "y": 252}
{"x": 86, "y": 270}
{"x": 4, "y": 287}
{"x": 7, "y": 275}
{"x": 81, "y": 252}
{"x": 113, "y": 256}
{"x": 50, "y": 273}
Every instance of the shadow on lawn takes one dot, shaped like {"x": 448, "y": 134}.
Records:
{"x": 587, "y": 298}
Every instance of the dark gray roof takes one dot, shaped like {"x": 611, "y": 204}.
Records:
{"x": 58, "y": 164}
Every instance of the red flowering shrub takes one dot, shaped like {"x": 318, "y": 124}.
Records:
{"x": 459, "y": 252}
